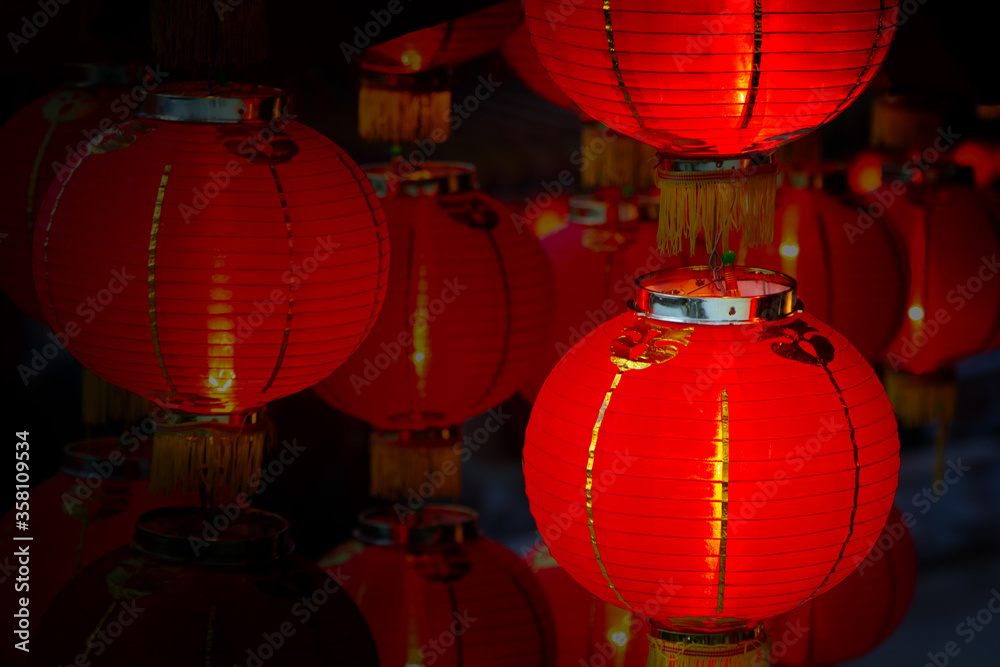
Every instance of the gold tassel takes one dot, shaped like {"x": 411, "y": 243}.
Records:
{"x": 425, "y": 463}
{"x": 739, "y": 199}
{"x": 103, "y": 402}
{"x": 750, "y": 649}
{"x": 188, "y": 34}
{"x": 398, "y": 108}
{"x": 612, "y": 159}
{"x": 918, "y": 400}
{"x": 209, "y": 457}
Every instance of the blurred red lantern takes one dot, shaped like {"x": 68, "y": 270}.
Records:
{"x": 405, "y": 88}
{"x": 715, "y": 89}
{"x": 852, "y": 618}
{"x": 981, "y": 157}
{"x": 88, "y": 508}
{"x": 716, "y": 447}
{"x": 587, "y": 629}
{"x": 250, "y": 258}
{"x": 178, "y": 597}
{"x": 435, "y": 592}
{"x": 466, "y": 319}
{"x": 520, "y": 55}
{"x": 596, "y": 258}
{"x": 864, "y": 174}
{"x": 38, "y": 139}
{"x": 813, "y": 245}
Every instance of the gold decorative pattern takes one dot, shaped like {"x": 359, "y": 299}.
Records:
{"x": 48, "y": 230}
{"x": 153, "y": 233}
{"x": 758, "y": 34}
{"x": 616, "y": 66}
{"x": 723, "y": 529}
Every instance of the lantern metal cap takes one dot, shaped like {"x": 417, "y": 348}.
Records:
{"x": 695, "y": 294}
{"x": 190, "y": 102}
{"x": 255, "y": 536}
{"x": 433, "y": 526}
{"x": 709, "y": 637}
{"x": 400, "y": 179}
{"x": 94, "y": 459}
{"x": 590, "y": 210}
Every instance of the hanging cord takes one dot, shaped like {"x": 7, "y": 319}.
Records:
{"x": 715, "y": 262}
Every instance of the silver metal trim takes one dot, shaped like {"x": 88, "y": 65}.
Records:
{"x": 431, "y": 179}
{"x": 433, "y": 525}
{"x": 190, "y": 102}
{"x": 669, "y": 295}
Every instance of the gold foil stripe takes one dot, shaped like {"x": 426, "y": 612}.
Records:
{"x": 45, "y": 244}
{"x": 616, "y": 66}
{"x": 758, "y": 38}
{"x": 33, "y": 180}
{"x": 590, "y": 485}
{"x": 291, "y": 287}
{"x": 723, "y": 529}
{"x": 154, "y": 231}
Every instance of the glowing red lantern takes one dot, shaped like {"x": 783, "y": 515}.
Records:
{"x": 91, "y": 506}
{"x": 175, "y": 597}
{"x": 38, "y": 139}
{"x": 813, "y": 244}
{"x": 981, "y": 157}
{"x": 435, "y": 592}
{"x": 249, "y": 260}
{"x": 715, "y": 445}
{"x": 596, "y": 258}
{"x": 466, "y": 319}
{"x": 716, "y": 89}
{"x": 586, "y": 627}
{"x": 856, "y": 615}
{"x": 405, "y": 91}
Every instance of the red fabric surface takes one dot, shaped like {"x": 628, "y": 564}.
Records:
{"x": 685, "y": 80}
{"x": 804, "y": 497}
{"x": 260, "y": 271}
{"x": 520, "y": 55}
{"x": 856, "y": 615}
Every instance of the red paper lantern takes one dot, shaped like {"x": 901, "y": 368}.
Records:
{"x": 716, "y": 88}
{"x": 38, "y": 139}
{"x": 716, "y": 452}
{"x": 587, "y": 629}
{"x": 466, "y": 318}
{"x": 596, "y": 257}
{"x": 156, "y": 603}
{"x": 832, "y": 267}
{"x": 856, "y": 615}
{"x": 215, "y": 264}
{"x": 520, "y": 55}
{"x": 89, "y": 507}
{"x": 404, "y": 82}
{"x": 435, "y": 592}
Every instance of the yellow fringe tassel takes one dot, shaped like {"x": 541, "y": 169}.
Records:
{"x": 103, "y": 402}
{"x": 391, "y": 115}
{"x": 747, "y": 653}
{"x": 189, "y": 34}
{"x": 918, "y": 400}
{"x": 209, "y": 457}
{"x": 731, "y": 200}
{"x": 614, "y": 159}
{"x": 427, "y": 464}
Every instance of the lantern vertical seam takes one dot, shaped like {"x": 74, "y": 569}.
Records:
{"x": 508, "y": 324}
{"x": 48, "y": 230}
{"x": 289, "y": 312}
{"x": 377, "y": 213}
{"x": 824, "y": 238}
{"x": 459, "y": 649}
{"x": 758, "y": 37}
{"x": 543, "y": 660}
{"x": 154, "y": 231}
{"x": 33, "y": 179}
{"x": 864, "y": 70}
{"x": 615, "y": 65}
{"x": 724, "y": 527}
{"x": 410, "y": 318}
{"x": 857, "y": 478}
{"x": 590, "y": 485}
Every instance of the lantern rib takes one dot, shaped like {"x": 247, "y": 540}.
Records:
{"x": 48, "y": 230}
{"x": 879, "y": 28}
{"x": 615, "y": 65}
{"x": 154, "y": 231}
{"x": 290, "y": 310}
